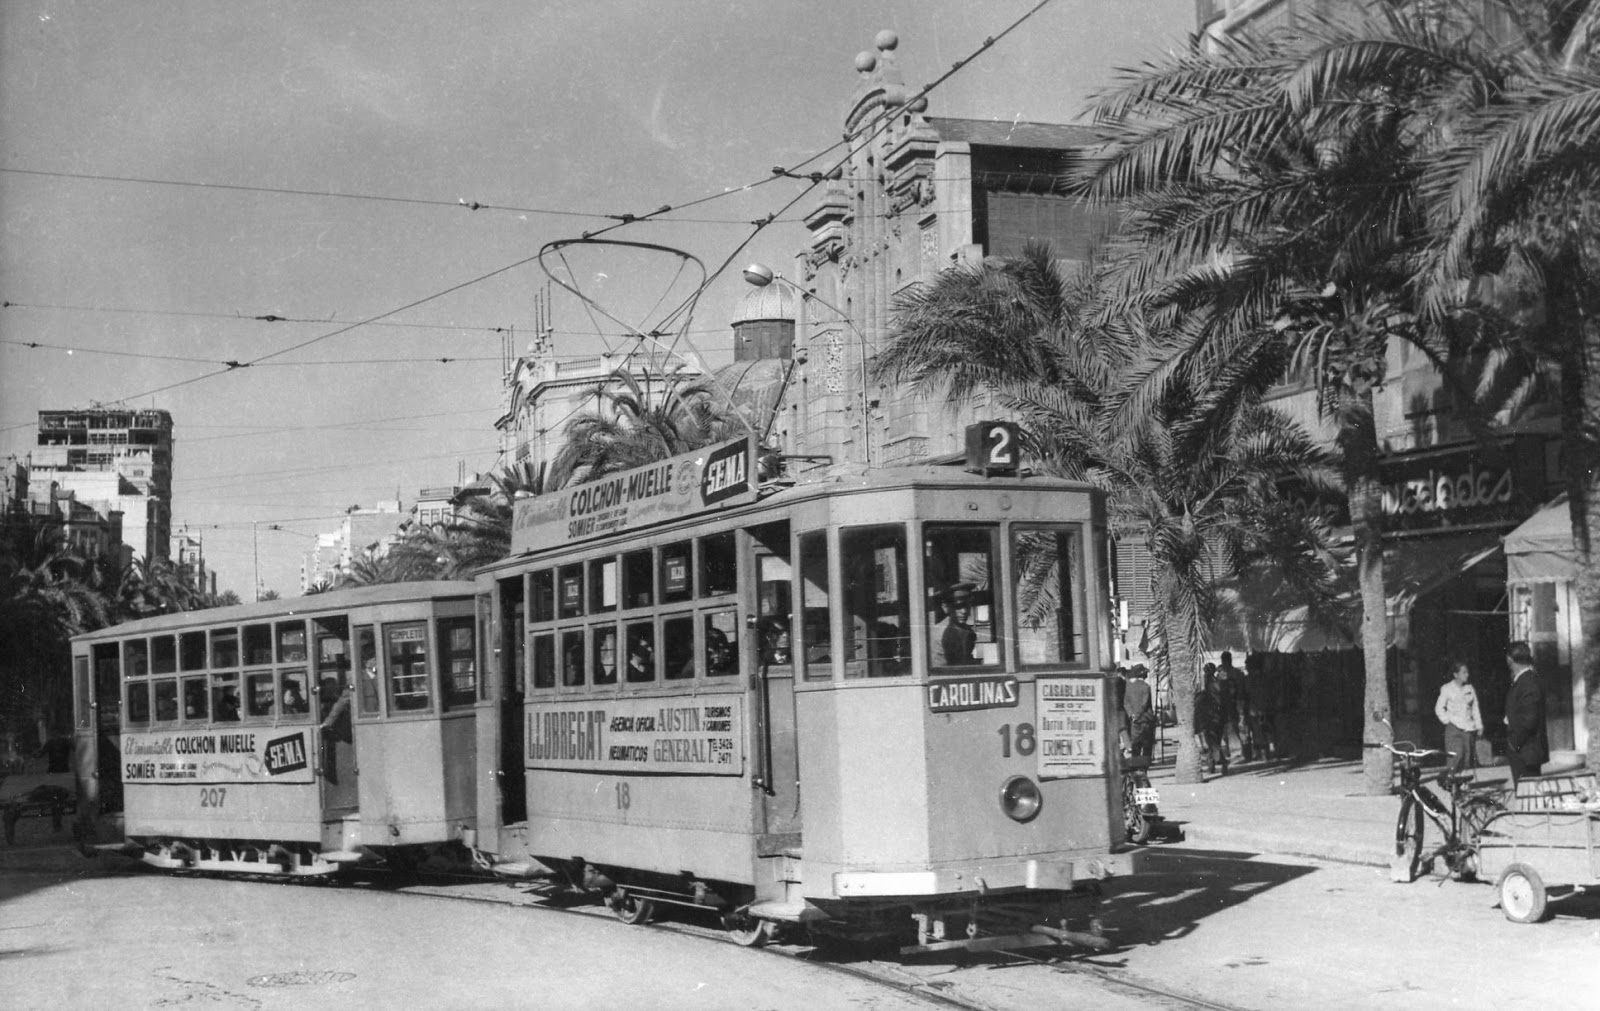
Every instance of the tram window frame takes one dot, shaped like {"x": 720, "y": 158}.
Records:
{"x": 677, "y": 573}
{"x": 814, "y": 653}
{"x": 542, "y": 677}
{"x": 289, "y": 641}
{"x": 947, "y": 565}
{"x": 571, "y": 659}
{"x": 638, "y": 578}
{"x": 221, "y": 685}
{"x": 603, "y": 641}
{"x": 135, "y": 654}
{"x": 416, "y": 698}
{"x": 874, "y": 647}
{"x": 718, "y": 566}
{"x": 369, "y": 672}
{"x": 164, "y": 654}
{"x": 678, "y": 664}
{"x": 1076, "y": 635}
{"x": 452, "y": 653}
{"x": 569, "y": 583}
{"x": 640, "y": 631}
{"x": 725, "y": 621}
{"x": 136, "y": 703}
{"x": 83, "y": 698}
{"x": 260, "y": 703}
{"x": 303, "y": 712}
{"x": 257, "y": 644}
{"x": 196, "y": 688}
{"x": 225, "y": 647}
{"x": 191, "y": 651}
{"x": 542, "y": 590}
{"x": 604, "y": 589}
{"x": 164, "y": 700}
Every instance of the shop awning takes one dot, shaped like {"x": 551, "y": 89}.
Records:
{"x": 1540, "y": 550}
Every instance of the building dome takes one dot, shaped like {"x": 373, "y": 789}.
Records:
{"x": 775, "y": 301}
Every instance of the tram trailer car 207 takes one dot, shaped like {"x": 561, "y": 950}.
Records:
{"x": 227, "y": 740}
{"x": 869, "y": 706}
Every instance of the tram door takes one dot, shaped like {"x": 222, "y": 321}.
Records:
{"x": 774, "y": 667}
{"x": 107, "y": 720}
{"x": 331, "y": 642}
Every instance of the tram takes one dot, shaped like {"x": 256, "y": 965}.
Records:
{"x": 227, "y": 740}
{"x": 871, "y": 705}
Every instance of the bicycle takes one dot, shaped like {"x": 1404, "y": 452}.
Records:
{"x": 1471, "y": 806}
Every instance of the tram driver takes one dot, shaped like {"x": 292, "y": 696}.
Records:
{"x": 954, "y": 641}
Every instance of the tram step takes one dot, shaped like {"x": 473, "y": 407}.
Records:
{"x": 791, "y": 911}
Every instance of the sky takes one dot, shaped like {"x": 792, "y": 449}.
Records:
{"x": 172, "y": 171}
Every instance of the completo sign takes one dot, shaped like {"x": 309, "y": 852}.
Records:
{"x": 698, "y": 736}
{"x": 714, "y": 477}
{"x": 251, "y": 755}
{"x": 1072, "y": 728}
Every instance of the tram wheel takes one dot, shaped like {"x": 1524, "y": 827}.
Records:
{"x": 632, "y": 910}
{"x": 1522, "y": 894}
{"x": 746, "y": 931}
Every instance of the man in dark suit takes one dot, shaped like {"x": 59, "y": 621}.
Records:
{"x": 1526, "y": 747}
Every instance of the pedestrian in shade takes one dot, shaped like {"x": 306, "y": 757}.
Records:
{"x": 1457, "y": 709}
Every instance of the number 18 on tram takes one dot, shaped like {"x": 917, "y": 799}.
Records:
{"x": 868, "y": 705}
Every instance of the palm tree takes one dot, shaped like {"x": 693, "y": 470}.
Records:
{"x": 1190, "y": 471}
{"x": 632, "y": 424}
{"x": 1274, "y": 202}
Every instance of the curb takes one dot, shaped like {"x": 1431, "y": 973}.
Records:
{"x": 1203, "y": 836}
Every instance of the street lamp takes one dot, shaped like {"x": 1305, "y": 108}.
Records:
{"x": 760, "y": 275}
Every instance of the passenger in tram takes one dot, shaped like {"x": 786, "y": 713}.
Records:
{"x": 719, "y": 652}
{"x": 294, "y": 699}
{"x": 334, "y": 703}
{"x": 775, "y": 644}
{"x": 228, "y": 705}
{"x": 954, "y": 641}
{"x": 641, "y": 658}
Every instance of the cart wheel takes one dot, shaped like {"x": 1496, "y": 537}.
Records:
{"x": 632, "y": 910}
{"x": 1406, "y": 860}
{"x": 1522, "y": 896}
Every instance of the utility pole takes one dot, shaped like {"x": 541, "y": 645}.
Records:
{"x": 255, "y": 550}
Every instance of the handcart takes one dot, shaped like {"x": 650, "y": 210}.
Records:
{"x": 1549, "y": 842}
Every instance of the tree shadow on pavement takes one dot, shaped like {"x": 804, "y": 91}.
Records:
{"x": 1176, "y": 891}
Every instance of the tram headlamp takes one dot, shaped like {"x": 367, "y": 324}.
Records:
{"x": 1020, "y": 798}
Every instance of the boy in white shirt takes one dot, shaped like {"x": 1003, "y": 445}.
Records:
{"x": 1457, "y": 709}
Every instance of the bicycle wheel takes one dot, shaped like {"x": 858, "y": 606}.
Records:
{"x": 1406, "y": 861}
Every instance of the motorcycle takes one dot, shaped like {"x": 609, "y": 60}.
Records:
{"x": 1140, "y": 800}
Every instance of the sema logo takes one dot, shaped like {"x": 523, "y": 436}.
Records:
{"x": 285, "y": 754}
{"x": 727, "y": 473}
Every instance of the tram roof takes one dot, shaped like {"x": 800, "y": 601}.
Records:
{"x": 316, "y": 603}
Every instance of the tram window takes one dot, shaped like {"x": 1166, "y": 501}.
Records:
{"x": 260, "y": 695}
{"x": 225, "y": 647}
{"x": 138, "y": 707}
{"x": 195, "y": 699}
{"x": 637, "y": 579}
{"x": 257, "y": 644}
{"x": 163, "y": 654}
{"x": 544, "y": 661}
{"x": 1048, "y": 568}
{"x": 165, "y": 693}
{"x": 641, "y": 652}
{"x": 331, "y": 659}
{"x": 877, "y": 601}
{"x": 407, "y": 663}
{"x": 457, "y": 663}
{"x": 225, "y": 698}
{"x": 772, "y": 589}
{"x": 722, "y": 643}
{"x": 602, "y": 585}
{"x": 83, "y": 710}
{"x": 718, "y": 564}
{"x": 291, "y": 642}
{"x": 675, "y": 586}
{"x": 192, "y": 651}
{"x": 677, "y": 647}
{"x": 962, "y": 569}
{"x": 296, "y": 694}
{"x": 135, "y": 658}
{"x": 544, "y": 595}
{"x": 604, "y": 641}
{"x": 571, "y": 580}
{"x": 368, "y": 694}
{"x": 571, "y": 658}
{"x": 815, "y": 593}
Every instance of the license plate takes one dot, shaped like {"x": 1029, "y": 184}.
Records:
{"x": 1146, "y": 795}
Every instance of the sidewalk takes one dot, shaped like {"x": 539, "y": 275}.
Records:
{"x": 1312, "y": 809}
{"x": 39, "y": 847}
